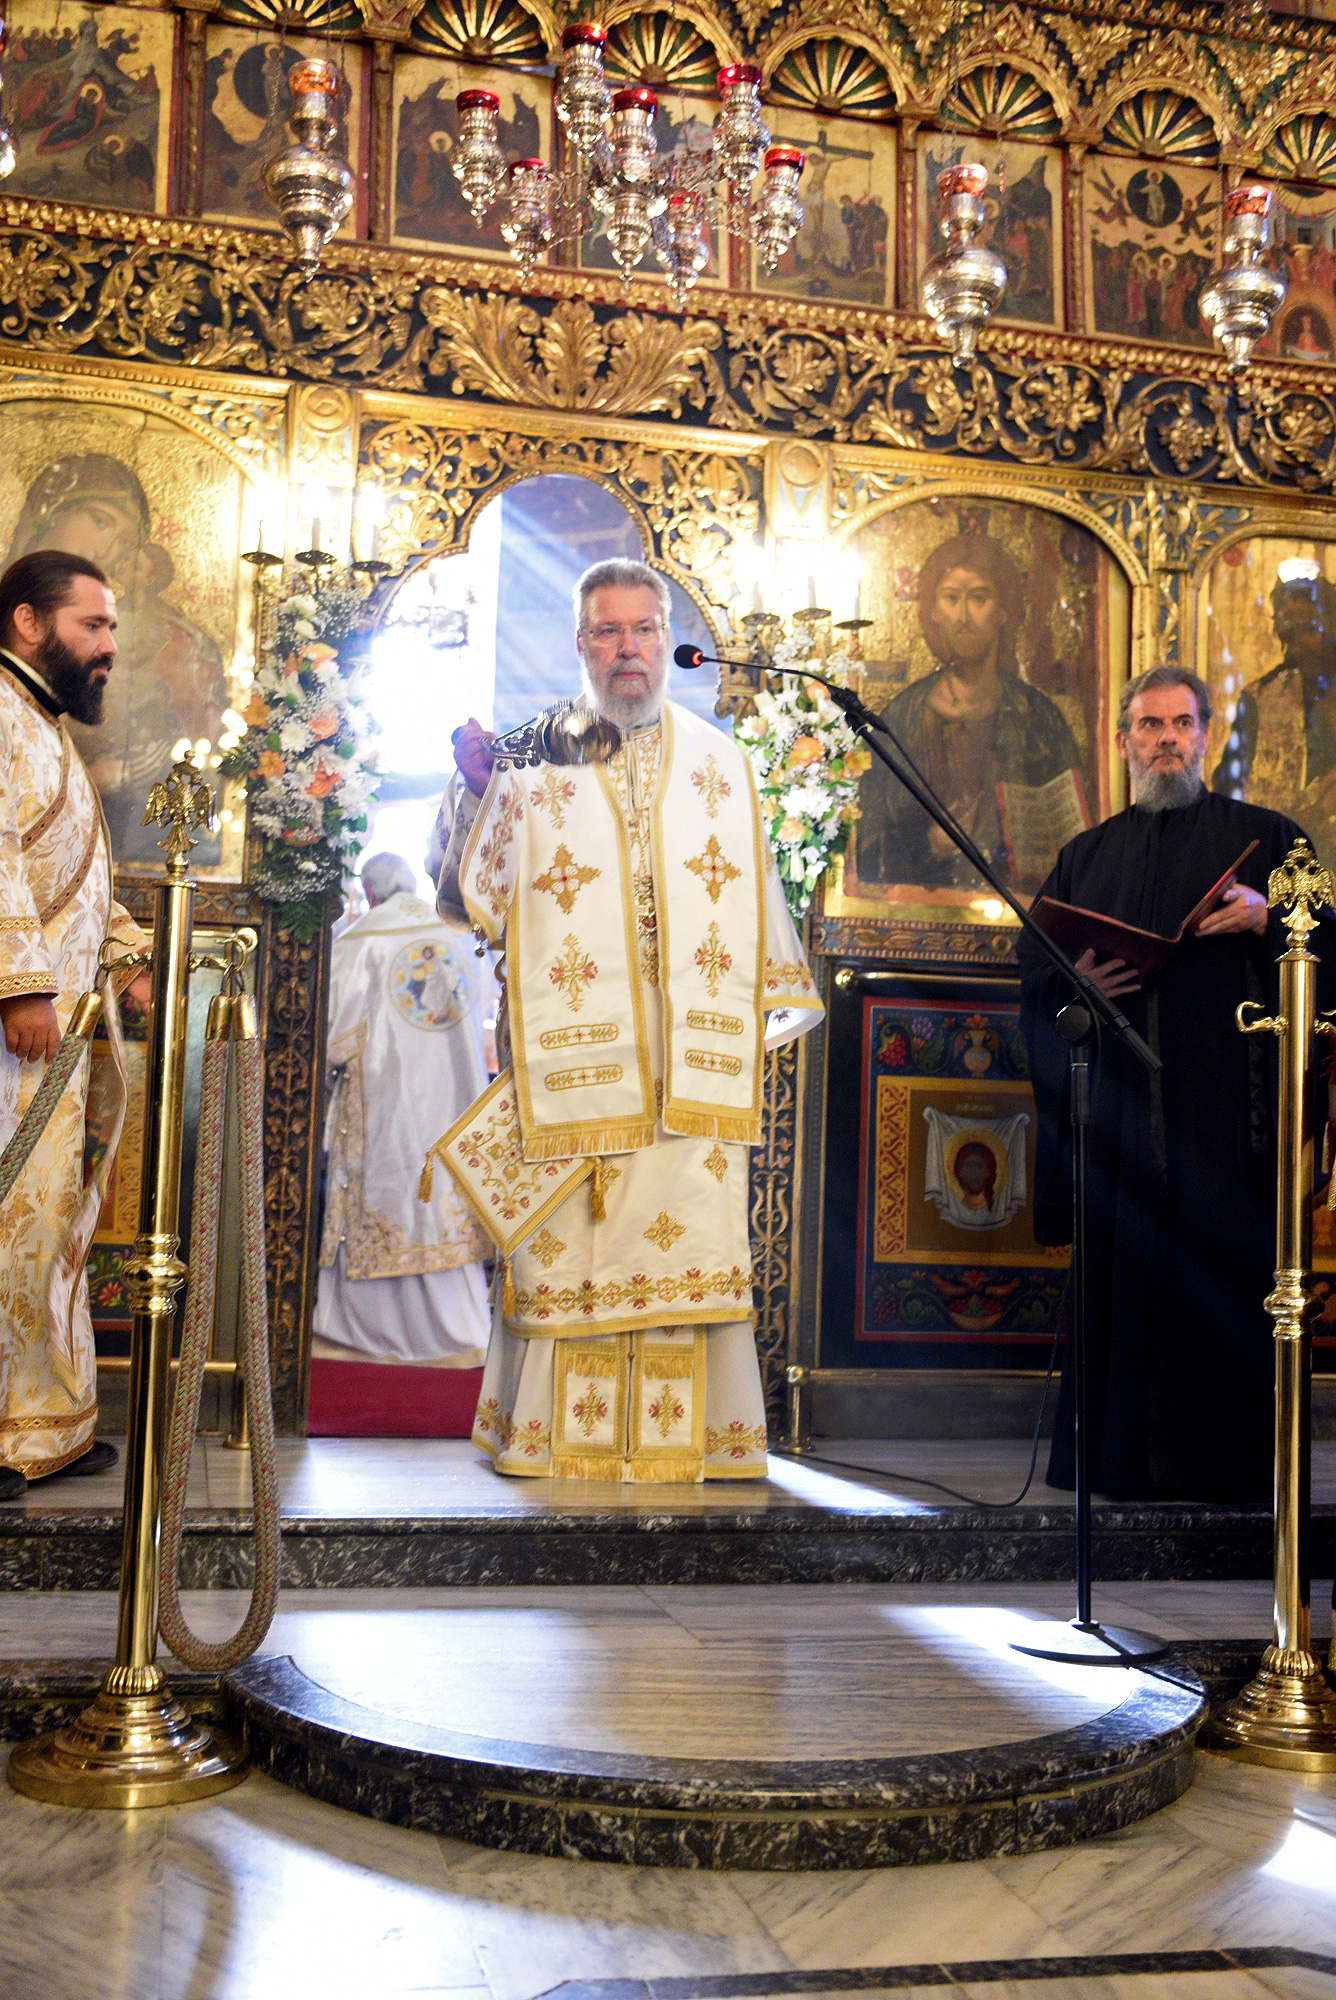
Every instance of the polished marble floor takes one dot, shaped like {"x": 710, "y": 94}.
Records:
{"x": 359, "y": 1478}
{"x": 801, "y": 1671}
{"x": 264, "y": 1895}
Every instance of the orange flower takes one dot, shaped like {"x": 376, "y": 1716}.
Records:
{"x": 322, "y": 784}
{"x": 256, "y": 711}
{"x": 271, "y": 765}
{"x": 313, "y": 655}
{"x": 806, "y": 750}
{"x": 325, "y": 724}
{"x": 791, "y": 831}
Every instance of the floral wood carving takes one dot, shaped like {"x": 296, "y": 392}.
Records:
{"x": 694, "y": 508}
{"x": 770, "y": 1214}
{"x": 212, "y": 298}
{"x": 293, "y": 1003}
{"x": 565, "y": 358}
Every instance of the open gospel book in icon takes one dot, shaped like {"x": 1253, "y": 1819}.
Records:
{"x": 1078, "y": 930}
{"x": 1037, "y": 822}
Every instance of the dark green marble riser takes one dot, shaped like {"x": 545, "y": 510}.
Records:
{"x": 1013, "y": 1798}
{"x": 81, "y": 1551}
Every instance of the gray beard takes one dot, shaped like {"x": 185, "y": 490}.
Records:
{"x": 625, "y": 711}
{"x": 1165, "y": 791}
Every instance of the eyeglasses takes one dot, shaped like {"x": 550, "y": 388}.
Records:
{"x": 642, "y": 632}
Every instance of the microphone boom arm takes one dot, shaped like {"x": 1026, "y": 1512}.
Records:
{"x": 901, "y": 765}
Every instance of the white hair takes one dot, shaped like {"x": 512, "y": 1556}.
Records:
{"x": 621, "y": 574}
{"x": 386, "y": 875}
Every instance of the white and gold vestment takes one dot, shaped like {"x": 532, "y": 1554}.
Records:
{"x": 56, "y": 907}
{"x": 647, "y": 941}
{"x": 401, "y": 1279}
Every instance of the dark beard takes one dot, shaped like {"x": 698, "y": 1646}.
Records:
{"x": 70, "y": 679}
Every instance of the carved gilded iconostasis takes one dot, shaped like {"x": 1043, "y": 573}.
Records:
{"x": 167, "y": 369}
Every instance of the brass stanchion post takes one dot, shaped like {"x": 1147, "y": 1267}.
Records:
{"x": 238, "y": 1438}
{"x": 135, "y": 1745}
{"x": 1286, "y": 1716}
{"x": 800, "y": 1390}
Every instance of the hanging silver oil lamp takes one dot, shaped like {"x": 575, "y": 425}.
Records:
{"x": 1245, "y": 294}
{"x": 309, "y": 184}
{"x": 966, "y": 281}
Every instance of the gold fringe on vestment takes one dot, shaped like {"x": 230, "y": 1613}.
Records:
{"x": 683, "y": 1469}
{"x": 571, "y": 1141}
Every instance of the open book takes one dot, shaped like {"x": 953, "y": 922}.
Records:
{"x": 1078, "y": 930}
{"x": 1037, "y": 821}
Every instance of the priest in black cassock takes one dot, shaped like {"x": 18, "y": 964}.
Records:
{"x": 1181, "y": 1171}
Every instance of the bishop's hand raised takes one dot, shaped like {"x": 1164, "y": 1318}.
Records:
{"x": 475, "y": 753}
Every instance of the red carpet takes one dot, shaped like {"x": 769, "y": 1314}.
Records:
{"x": 362, "y": 1399}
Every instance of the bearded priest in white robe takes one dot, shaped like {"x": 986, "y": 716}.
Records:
{"x": 650, "y": 959}
{"x": 57, "y": 648}
{"x": 400, "y": 1280}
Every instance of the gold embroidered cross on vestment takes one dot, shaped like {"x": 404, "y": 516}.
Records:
{"x": 714, "y": 869}
{"x": 565, "y": 878}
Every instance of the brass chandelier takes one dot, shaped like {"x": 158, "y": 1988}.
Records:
{"x": 612, "y": 166}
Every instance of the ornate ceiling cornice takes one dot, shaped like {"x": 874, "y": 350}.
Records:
{"x": 145, "y": 289}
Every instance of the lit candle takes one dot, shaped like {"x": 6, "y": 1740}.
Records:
{"x": 315, "y": 531}
{"x": 811, "y": 590}
{"x": 858, "y": 597}
{"x": 375, "y": 541}
{"x": 757, "y": 604}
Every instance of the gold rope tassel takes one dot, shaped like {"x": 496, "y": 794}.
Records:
{"x": 598, "y": 1188}
{"x": 507, "y": 1290}
{"x": 426, "y": 1176}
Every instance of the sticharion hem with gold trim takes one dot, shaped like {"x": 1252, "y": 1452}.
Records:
{"x": 64, "y": 1420}
{"x": 706, "y": 1315}
{"x": 710, "y": 1470}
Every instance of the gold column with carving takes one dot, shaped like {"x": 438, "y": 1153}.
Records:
{"x": 1286, "y": 1716}
{"x": 135, "y": 1745}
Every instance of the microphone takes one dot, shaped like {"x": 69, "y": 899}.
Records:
{"x": 692, "y": 656}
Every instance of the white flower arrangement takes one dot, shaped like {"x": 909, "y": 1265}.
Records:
{"x": 306, "y": 756}
{"x": 807, "y": 763}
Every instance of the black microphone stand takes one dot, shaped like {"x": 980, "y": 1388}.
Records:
{"x": 1075, "y": 1025}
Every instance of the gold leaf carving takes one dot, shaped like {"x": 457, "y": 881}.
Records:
{"x": 566, "y": 359}
{"x": 1091, "y": 45}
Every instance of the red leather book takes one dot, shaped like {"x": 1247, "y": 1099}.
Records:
{"x": 1078, "y": 930}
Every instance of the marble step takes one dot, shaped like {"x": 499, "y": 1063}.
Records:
{"x": 71, "y": 1549}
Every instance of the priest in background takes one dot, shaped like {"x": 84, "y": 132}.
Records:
{"x": 401, "y": 1281}
{"x": 1181, "y": 1192}
{"x": 57, "y": 651}
{"x": 650, "y": 957}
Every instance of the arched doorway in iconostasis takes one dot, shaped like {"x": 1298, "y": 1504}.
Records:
{"x": 489, "y": 633}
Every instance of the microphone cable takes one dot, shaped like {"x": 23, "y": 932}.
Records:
{"x": 937, "y": 1485}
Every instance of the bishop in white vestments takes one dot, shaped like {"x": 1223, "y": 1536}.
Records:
{"x": 400, "y": 1280}
{"x": 57, "y": 647}
{"x": 650, "y": 959}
